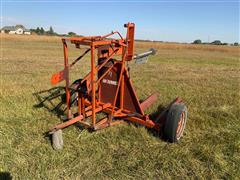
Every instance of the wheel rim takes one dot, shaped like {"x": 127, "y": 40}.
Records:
{"x": 181, "y": 125}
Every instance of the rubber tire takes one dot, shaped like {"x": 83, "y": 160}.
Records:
{"x": 171, "y": 124}
{"x": 57, "y": 140}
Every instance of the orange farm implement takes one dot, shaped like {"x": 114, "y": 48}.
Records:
{"x": 108, "y": 89}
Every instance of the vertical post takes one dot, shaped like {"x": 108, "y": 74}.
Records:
{"x": 93, "y": 85}
{"x": 119, "y": 82}
{"x": 66, "y": 66}
{"x": 130, "y": 40}
{"x": 122, "y": 81}
{"x": 79, "y": 103}
{"x": 122, "y": 92}
{"x": 83, "y": 107}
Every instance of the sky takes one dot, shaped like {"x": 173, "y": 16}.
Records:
{"x": 173, "y": 20}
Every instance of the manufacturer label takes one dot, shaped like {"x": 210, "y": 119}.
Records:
{"x": 108, "y": 81}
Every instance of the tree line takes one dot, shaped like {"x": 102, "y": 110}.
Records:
{"x": 50, "y": 32}
{"x": 216, "y": 42}
{"x": 42, "y": 31}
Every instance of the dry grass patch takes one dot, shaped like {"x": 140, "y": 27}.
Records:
{"x": 207, "y": 80}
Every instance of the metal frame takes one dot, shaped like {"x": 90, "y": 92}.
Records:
{"x": 89, "y": 108}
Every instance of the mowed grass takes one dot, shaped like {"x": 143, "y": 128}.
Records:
{"x": 206, "y": 78}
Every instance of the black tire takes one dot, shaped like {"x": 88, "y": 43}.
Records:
{"x": 175, "y": 122}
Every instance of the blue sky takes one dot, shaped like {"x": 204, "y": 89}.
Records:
{"x": 177, "y": 21}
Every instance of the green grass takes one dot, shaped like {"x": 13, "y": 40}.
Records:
{"x": 208, "y": 81}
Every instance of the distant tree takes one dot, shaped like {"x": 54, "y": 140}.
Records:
{"x": 236, "y": 44}
{"x": 198, "y": 41}
{"x": 72, "y": 34}
{"x": 38, "y": 30}
{"x": 216, "y": 42}
{"x": 51, "y": 32}
{"x": 225, "y": 44}
{"x": 33, "y": 30}
{"x": 42, "y": 31}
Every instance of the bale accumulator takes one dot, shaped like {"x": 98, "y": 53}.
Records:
{"x": 107, "y": 89}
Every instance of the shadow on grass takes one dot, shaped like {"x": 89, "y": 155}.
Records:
{"x": 5, "y": 176}
{"x": 156, "y": 113}
{"x": 155, "y": 117}
{"x": 52, "y": 100}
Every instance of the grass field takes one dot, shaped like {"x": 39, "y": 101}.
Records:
{"x": 206, "y": 77}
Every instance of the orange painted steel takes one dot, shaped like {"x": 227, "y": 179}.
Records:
{"x": 148, "y": 102}
{"x": 107, "y": 88}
